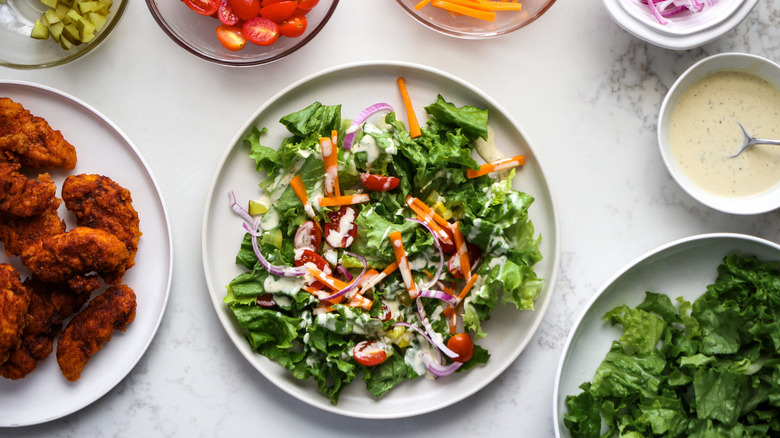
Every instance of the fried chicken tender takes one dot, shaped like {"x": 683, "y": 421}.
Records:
{"x": 22, "y": 196}
{"x": 99, "y": 202}
{"x": 30, "y": 141}
{"x": 14, "y": 302}
{"x": 79, "y": 251}
{"x": 50, "y": 305}
{"x": 92, "y": 327}
{"x": 17, "y": 233}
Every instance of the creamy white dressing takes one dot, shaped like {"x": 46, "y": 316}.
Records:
{"x": 274, "y": 284}
{"x": 337, "y": 234}
{"x": 270, "y": 219}
{"x": 703, "y": 132}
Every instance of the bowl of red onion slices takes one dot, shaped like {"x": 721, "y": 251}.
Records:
{"x": 678, "y": 24}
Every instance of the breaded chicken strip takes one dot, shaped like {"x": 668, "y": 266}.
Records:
{"x": 25, "y": 197}
{"x": 92, "y": 327}
{"x": 14, "y": 301}
{"x": 50, "y": 305}
{"x": 17, "y": 233}
{"x": 99, "y": 202}
{"x": 30, "y": 141}
{"x": 79, "y": 251}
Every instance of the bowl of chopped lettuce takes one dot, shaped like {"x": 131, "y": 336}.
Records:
{"x": 476, "y": 19}
{"x": 681, "y": 343}
{"x": 680, "y": 24}
{"x": 48, "y": 33}
{"x": 380, "y": 247}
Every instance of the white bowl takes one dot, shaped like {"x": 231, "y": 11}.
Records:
{"x": 684, "y": 31}
{"x": 756, "y": 65}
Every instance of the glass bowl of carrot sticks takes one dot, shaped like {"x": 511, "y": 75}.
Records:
{"x": 475, "y": 19}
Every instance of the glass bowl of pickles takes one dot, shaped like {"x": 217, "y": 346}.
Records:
{"x": 47, "y": 33}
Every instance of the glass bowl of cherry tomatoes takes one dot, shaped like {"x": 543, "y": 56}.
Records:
{"x": 242, "y": 32}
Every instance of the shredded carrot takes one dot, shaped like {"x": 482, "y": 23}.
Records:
{"x": 331, "y": 201}
{"x": 495, "y": 166}
{"x": 403, "y": 263}
{"x": 330, "y": 157}
{"x": 421, "y": 4}
{"x": 373, "y": 281}
{"x": 462, "y": 250}
{"x": 414, "y": 125}
{"x": 465, "y": 291}
{"x": 465, "y": 10}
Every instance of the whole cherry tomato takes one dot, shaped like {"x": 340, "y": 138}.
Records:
{"x": 245, "y": 9}
{"x": 278, "y": 12}
{"x": 293, "y": 27}
{"x": 462, "y": 345}
{"x": 307, "y": 5}
{"x": 231, "y": 37}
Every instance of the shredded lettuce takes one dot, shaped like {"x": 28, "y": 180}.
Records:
{"x": 706, "y": 369}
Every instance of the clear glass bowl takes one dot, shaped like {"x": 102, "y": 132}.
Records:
{"x": 196, "y": 34}
{"x": 19, "y": 50}
{"x": 463, "y": 26}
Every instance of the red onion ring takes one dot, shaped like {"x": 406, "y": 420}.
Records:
{"x": 435, "y": 337}
{"x": 359, "y": 119}
{"x": 283, "y": 271}
{"x": 237, "y": 209}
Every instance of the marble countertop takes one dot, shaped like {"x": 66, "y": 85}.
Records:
{"x": 587, "y": 94}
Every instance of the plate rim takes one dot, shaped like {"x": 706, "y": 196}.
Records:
{"x": 554, "y": 228}
{"x": 164, "y": 212}
{"x": 556, "y": 414}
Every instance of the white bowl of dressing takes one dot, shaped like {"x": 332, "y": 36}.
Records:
{"x": 697, "y": 131}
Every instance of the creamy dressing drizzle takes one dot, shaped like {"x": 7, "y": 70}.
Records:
{"x": 703, "y": 132}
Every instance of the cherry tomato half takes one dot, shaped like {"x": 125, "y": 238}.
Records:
{"x": 379, "y": 183}
{"x": 227, "y": 16}
{"x": 308, "y": 235}
{"x": 245, "y": 9}
{"x": 307, "y": 5}
{"x": 293, "y": 27}
{"x": 309, "y": 256}
{"x": 268, "y": 2}
{"x": 261, "y": 31}
{"x": 341, "y": 229}
{"x": 203, "y": 7}
{"x": 369, "y": 353}
{"x": 278, "y": 12}
{"x": 231, "y": 37}
{"x": 462, "y": 345}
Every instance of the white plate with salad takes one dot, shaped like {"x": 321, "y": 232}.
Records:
{"x": 369, "y": 323}
{"x": 683, "y": 268}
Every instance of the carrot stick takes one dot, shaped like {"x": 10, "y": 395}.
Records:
{"x": 462, "y": 250}
{"x": 360, "y": 301}
{"x": 427, "y": 216}
{"x": 465, "y": 291}
{"x": 331, "y": 201}
{"x": 331, "y": 159}
{"x": 300, "y": 191}
{"x": 327, "y": 280}
{"x": 374, "y": 280}
{"x": 471, "y": 12}
{"x": 421, "y": 4}
{"x": 453, "y": 323}
{"x": 414, "y": 125}
{"x": 481, "y": 5}
{"x": 495, "y": 166}
{"x": 403, "y": 263}
{"x": 429, "y": 211}
{"x": 441, "y": 285}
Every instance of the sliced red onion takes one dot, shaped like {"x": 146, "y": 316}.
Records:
{"x": 344, "y": 272}
{"x": 433, "y": 365}
{"x": 283, "y": 271}
{"x": 355, "y": 283}
{"x": 415, "y": 328}
{"x": 357, "y": 122}
{"x": 439, "y": 295}
{"x": 239, "y": 210}
{"x": 439, "y": 269}
{"x": 434, "y": 337}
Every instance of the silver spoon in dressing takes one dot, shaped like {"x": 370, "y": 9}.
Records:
{"x": 750, "y": 141}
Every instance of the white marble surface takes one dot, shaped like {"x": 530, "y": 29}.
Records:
{"x": 585, "y": 91}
